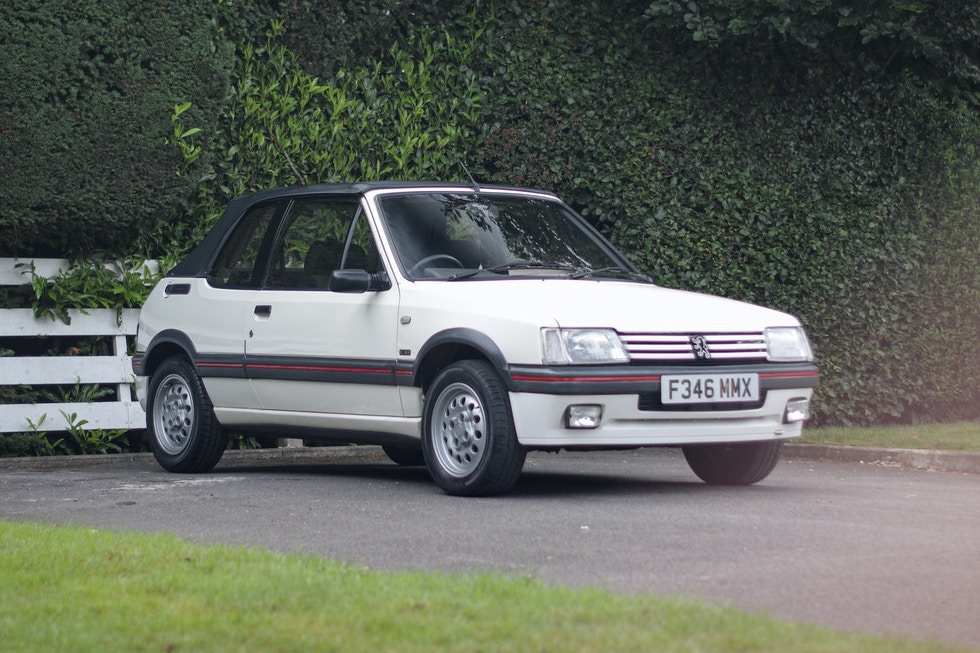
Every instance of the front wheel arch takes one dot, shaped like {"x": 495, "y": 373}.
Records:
{"x": 453, "y": 345}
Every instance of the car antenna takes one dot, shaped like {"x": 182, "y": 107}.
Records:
{"x": 462, "y": 165}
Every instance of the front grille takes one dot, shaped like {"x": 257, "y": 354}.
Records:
{"x": 678, "y": 347}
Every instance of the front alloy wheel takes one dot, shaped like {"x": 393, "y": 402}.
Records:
{"x": 468, "y": 438}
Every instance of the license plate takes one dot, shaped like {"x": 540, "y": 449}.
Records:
{"x": 708, "y": 388}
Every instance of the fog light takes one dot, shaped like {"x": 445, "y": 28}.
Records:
{"x": 797, "y": 410}
{"x": 586, "y": 416}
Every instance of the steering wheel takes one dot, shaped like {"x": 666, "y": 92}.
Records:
{"x": 415, "y": 269}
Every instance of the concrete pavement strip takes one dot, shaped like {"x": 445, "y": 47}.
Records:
{"x": 966, "y": 462}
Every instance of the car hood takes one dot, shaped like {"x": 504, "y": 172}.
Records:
{"x": 625, "y": 306}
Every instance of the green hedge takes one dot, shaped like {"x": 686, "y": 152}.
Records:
{"x": 409, "y": 115}
{"x": 88, "y": 90}
{"x": 767, "y": 174}
{"x": 783, "y": 155}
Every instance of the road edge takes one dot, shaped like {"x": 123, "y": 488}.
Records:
{"x": 965, "y": 462}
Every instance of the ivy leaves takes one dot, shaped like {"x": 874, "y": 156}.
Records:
{"x": 404, "y": 117}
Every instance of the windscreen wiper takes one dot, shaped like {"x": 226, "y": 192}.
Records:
{"x": 612, "y": 270}
{"x": 520, "y": 264}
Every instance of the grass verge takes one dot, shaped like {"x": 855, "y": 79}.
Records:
{"x": 959, "y": 436}
{"x": 79, "y": 589}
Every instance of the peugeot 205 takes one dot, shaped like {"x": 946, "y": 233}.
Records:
{"x": 458, "y": 327}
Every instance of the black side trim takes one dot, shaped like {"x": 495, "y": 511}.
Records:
{"x": 404, "y": 373}
{"x": 593, "y": 380}
{"x": 321, "y": 370}
{"x": 622, "y": 379}
{"x": 226, "y": 366}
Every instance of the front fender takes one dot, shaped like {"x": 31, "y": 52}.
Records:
{"x": 455, "y": 344}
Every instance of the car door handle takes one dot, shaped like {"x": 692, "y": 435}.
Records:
{"x": 263, "y": 310}
{"x": 177, "y": 289}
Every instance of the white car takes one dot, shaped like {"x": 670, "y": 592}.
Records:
{"x": 459, "y": 327}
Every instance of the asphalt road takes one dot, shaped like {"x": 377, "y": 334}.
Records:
{"x": 861, "y": 548}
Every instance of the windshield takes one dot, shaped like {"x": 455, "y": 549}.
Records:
{"x": 455, "y": 236}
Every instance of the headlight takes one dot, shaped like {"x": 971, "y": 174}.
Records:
{"x": 582, "y": 346}
{"x": 788, "y": 344}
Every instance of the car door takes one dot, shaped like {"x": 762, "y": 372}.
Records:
{"x": 218, "y": 321}
{"x": 313, "y": 351}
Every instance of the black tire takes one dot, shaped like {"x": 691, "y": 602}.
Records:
{"x": 742, "y": 463}
{"x": 468, "y": 434}
{"x": 184, "y": 434}
{"x": 404, "y": 456}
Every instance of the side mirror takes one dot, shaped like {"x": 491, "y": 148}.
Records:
{"x": 358, "y": 281}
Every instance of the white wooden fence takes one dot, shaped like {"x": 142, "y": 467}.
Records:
{"x": 67, "y": 370}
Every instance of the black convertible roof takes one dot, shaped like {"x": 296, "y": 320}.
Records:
{"x": 196, "y": 262}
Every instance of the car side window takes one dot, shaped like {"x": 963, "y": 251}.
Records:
{"x": 363, "y": 251}
{"x": 239, "y": 264}
{"x": 311, "y": 245}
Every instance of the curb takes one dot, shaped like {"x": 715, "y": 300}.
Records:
{"x": 964, "y": 462}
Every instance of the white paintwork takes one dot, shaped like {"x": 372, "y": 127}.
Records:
{"x": 513, "y": 311}
{"x": 369, "y": 400}
{"x": 216, "y": 320}
{"x": 397, "y": 323}
{"x": 408, "y": 427}
{"x": 325, "y": 325}
{"x": 538, "y": 420}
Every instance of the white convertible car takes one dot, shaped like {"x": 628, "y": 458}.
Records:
{"x": 458, "y": 327}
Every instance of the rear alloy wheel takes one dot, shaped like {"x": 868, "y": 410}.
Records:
{"x": 742, "y": 463}
{"x": 184, "y": 434}
{"x": 468, "y": 434}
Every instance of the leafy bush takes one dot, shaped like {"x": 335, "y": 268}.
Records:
{"x": 811, "y": 156}
{"x": 748, "y": 171}
{"x": 883, "y": 37}
{"x": 404, "y": 117}
{"x": 92, "y": 283}
{"x": 88, "y": 88}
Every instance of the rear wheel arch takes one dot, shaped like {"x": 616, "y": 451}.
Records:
{"x": 164, "y": 345}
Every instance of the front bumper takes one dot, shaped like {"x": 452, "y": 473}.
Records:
{"x": 140, "y": 385}
{"x": 540, "y": 422}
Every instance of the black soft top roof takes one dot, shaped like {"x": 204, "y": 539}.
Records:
{"x": 195, "y": 264}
